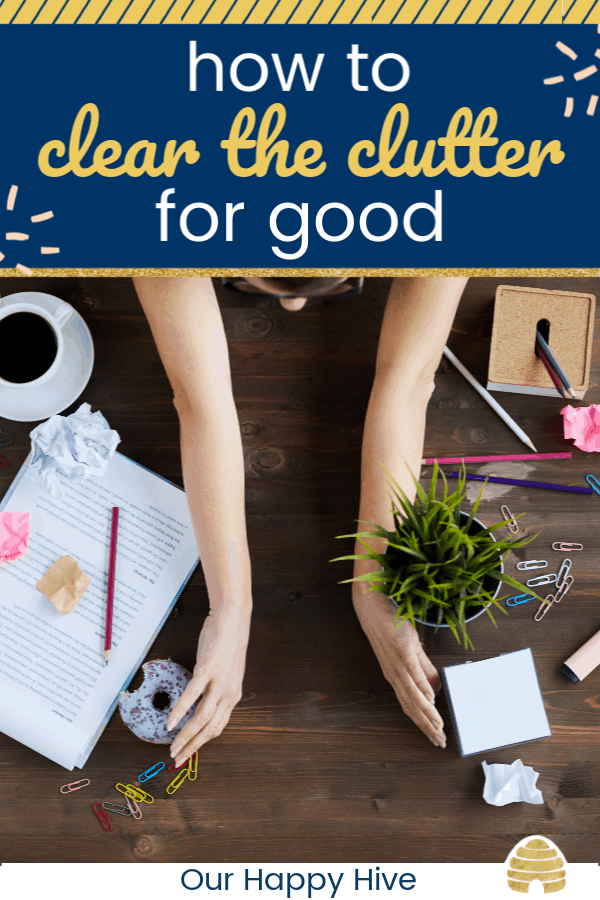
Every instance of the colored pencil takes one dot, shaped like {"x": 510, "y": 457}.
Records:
{"x": 504, "y": 457}
{"x": 555, "y": 365}
{"x": 553, "y": 376}
{"x": 520, "y": 483}
{"x": 488, "y": 398}
{"x": 112, "y": 562}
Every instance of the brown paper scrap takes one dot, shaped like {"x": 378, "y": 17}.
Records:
{"x": 64, "y": 584}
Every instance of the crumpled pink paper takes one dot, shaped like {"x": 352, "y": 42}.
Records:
{"x": 583, "y": 426}
{"x": 14, "y": 536}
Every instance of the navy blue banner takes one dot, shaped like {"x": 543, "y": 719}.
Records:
{"x": 415, "y": 147}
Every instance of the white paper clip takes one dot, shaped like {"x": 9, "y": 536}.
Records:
{"x": 544, "y": 607}
{"x": 563, "y": 572}
{"x": 566, "y": 547}
{"x": 511, "y": 522}
{"x": 564, "y": 588}
{"x": 532, "y": 564}
{"x": 541, "y": 579}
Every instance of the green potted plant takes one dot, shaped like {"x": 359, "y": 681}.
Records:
{"x": 442, "y": 567}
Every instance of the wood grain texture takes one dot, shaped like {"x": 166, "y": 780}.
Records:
{"x": 319, "y": 763}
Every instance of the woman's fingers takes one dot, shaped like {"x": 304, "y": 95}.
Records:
{"x": 417, "y": 706}
{"x": 194, "y": 689}
{"x": 211, "y": 729}
{"x": 202, "y": 716}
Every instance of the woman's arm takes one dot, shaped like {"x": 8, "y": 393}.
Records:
{"x": 415, "y": 328}
{"x": 188, "y": 329}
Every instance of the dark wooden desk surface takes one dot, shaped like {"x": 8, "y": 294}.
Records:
{"x": 318, "y": 762}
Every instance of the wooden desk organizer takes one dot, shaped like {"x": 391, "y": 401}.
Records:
{"x": 514, "y": 367}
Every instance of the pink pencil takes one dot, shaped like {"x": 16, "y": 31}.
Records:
{"x": 111, "y": 583}
{"x": 503, "y": 458}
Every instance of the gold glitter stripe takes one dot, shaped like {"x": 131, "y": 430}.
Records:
{"x": 414, "y": 273}
{"x": 296, "y": 12}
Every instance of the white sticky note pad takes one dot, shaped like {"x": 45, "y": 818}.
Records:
{"x": 496, "y": 702}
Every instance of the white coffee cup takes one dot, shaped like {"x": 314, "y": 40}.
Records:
{"x": 63, "y": 382}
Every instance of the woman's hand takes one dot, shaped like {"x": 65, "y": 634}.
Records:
{"x": 217, "y": 678}
{"x": 411, "y": 674}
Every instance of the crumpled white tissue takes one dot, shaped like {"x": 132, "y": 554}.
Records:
{"x": 74, "y": 446}
{"x": 510, "y": 784}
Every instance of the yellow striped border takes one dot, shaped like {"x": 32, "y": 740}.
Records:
{"x": 300, "y": 12}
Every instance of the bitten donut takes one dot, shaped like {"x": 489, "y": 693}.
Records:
{"x": 146, "y": 710}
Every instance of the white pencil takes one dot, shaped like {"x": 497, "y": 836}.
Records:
{"x": 488, "y": 398}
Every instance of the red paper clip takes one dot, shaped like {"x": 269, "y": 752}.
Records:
{"x": 4, "y": 463}
{"x": 174, "y": 768}
{"x": 104, "y": 820}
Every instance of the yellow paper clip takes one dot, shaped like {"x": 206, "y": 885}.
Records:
{"x": 136, "y": 793}
{"x": 177, "y": 781}
{"x": 192, "y": 768}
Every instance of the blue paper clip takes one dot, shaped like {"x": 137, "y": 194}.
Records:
{"x": 151, "y": 772}
{"x": 593, "y": 482}
{"x": 516, "y": 601}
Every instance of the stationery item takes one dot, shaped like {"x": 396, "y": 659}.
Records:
{"x": 104, "y": 820}
{"x": 174, "y": 768}
{"x": 112, "y": 562}
{"x": 564, "y": 588}
{"x": 543, "y": 608}
{"x": 14, "y": 536}
{"x": 583, "y": 661}
{"x": 516, "y": 600}
{"x": 47, "y": 356}
{"x": 591, "y": 479}
{"x": 4, "y": 462}
{"x": 582, "y": 425}
{"x": 193, "y": 766}
{"x": 532, "y": 564}
{"x": 541, "y": 579}
{"x": 146, "y": 711}
{"x": 552, "y": 365}
{"x": 566, "y": 547}
{"x": 496, "y": 702}
{"x": 76, "y": 446}
{"x": 64, "y": 584}
{"x": 553, "y": 376}
{"x": 511, "y": 522}
{"x": 57, "y": 693}
{"x": 151, "y": 772}
{"x": 510, "y": 784}
{"x": 177, "y": 781}
{"x": 134, "y": 808}
{"x": 6, "y": 440}
{"x": 503, "y": 457}
{"x": 135, "y": 792}
{"x": 75, "y": 786}
{"x": 488, "y": 398}
{"x": 520, "y": 483}
{"x": 563, "y": 572}
{"x": 566, "y": 321}
{"x": 115, "y": 808}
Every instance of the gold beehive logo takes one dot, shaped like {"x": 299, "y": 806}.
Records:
{"x": 536, "y": 860}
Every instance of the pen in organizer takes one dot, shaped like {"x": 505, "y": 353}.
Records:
{"x": 488, "y": 398}
{"x": 554, "y": 363}
{"x": 111, "y": 583}
{"x": 553, "y": 376}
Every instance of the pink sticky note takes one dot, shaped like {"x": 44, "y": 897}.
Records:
{"x": 14, "y": 536}
{"x": 583, "y": 426}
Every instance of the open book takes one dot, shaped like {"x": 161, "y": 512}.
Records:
{"x": 56, "y": 694}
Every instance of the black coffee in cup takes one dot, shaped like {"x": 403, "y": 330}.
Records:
{"x": 27, "y": 347}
